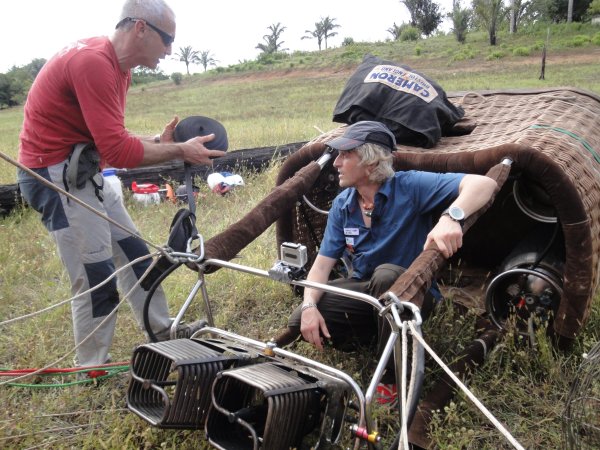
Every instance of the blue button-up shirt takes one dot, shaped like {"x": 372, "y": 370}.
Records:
{"x": 400, "y": 222}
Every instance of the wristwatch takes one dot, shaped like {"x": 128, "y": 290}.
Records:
{"x": 456, "y": 214}
{"x": 157, "y": 139}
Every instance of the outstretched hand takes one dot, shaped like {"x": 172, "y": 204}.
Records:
{"x": 168, "y": 134}
{"x": 194, "y": 151}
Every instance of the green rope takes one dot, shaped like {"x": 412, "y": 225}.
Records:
{"x": 583, "y": 142}
{"x": 111, "y": 372}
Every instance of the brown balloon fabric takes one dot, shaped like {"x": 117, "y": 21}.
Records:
{"x": 227, "y": 244}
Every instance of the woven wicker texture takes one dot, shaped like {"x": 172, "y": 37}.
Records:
{"x": 553, "y": 138}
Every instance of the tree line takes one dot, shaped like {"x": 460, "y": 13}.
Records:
{"x": 425, "y": 19}
{"x": 490, "y": 15}
{"x": 15, "y": 83}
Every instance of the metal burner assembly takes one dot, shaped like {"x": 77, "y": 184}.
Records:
{"x": 247, "y": 394}
{"x": 243, "y": 398}
{"x": 171, "y": 381}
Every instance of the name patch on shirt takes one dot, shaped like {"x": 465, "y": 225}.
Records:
{"x": 351, "y": 231}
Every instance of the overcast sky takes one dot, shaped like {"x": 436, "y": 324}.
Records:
{"x": 229, "y": 29}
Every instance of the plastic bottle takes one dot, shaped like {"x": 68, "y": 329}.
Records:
{"x": 111, "y": 179}
{"x": 145, "y": 193}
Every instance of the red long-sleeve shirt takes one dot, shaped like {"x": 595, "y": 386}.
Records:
{"x": 79, "y": 96}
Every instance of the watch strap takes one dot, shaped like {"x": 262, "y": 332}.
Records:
{"x": 446, "y": 212}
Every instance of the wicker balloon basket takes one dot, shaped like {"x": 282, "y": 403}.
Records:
{"x": 551, "y": 196}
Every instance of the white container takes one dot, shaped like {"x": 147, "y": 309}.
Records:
{"x": 112, "y": 181}
{"x": 145, "y": 193}
{"x": 147, "y": 199}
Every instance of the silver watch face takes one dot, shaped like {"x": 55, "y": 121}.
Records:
{"x": 456, "y": 213}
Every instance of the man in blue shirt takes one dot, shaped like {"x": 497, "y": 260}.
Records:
{"x": 381, "y": 221}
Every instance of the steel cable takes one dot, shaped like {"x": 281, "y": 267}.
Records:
{"x": 466, "y": 390}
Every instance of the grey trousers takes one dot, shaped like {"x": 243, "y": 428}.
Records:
{"x": 90, "y": 249}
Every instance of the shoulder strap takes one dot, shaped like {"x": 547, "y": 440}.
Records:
{"x": 73, "y": 165}
{"x": 189, "y": 186}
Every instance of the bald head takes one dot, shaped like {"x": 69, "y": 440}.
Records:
{"x": 144, "y": 33}
{"x": 155, "y": 11}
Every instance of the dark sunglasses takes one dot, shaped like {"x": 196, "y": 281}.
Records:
{"x": 165, "y": 37}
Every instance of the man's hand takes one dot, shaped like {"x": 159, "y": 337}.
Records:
{"x": 312, "y": 326}
{"x": 447, "y": 235}
{"x": 194, "y": 151}
{"x": 168, "y": 133}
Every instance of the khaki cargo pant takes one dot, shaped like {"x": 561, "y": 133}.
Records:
{"x": 90, "y": 249}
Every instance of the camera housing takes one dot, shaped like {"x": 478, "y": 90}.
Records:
{"x": 291, "y": 265}
{"x": 294, "y": 255}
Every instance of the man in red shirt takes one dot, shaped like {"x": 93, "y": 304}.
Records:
{"x": 79, "y": 97}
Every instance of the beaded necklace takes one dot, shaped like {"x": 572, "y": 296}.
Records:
{"x": 367, "y": 209}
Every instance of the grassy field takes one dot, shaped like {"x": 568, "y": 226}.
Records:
{"x": 290, "y": 101}
{"x": 292, "y": 98}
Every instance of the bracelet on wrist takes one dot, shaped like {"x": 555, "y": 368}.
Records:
{"x": 157, "y": 139}
{"x": 306, "y": 306}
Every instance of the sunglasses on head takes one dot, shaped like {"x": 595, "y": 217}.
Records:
{"x": 165, "y": 37}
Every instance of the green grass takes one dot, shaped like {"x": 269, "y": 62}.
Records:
{"x": 286, "y": 102}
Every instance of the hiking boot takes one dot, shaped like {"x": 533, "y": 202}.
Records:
{"x": 187, "y": 330}
{"x": 387, "y": 395}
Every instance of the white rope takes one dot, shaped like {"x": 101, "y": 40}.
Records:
{"x": 81, "y": 294}
{"x": 413, "y": 372}
{"x": 78, "y": 412}
{"x": 403, "y": 441}
{"x": 409, "y": 397}
{"x": 108, "y": 219}
{"x": 112, "y": 313}
{"x": 467, "y": 392}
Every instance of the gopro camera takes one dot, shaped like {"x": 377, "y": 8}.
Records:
{"x": 294, "y": 255}
{"x": 291, "y": 266}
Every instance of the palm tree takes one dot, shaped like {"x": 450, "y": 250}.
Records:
{"x": 206, "y": 59}
{"x": 328, "y": 25}
{"x": 317, "y": 34}
{"x": 461, "y": 19}
{"x": 489, "y": 14}
{"x": 272, "y": 44}
{"x": 188, "y": 56}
